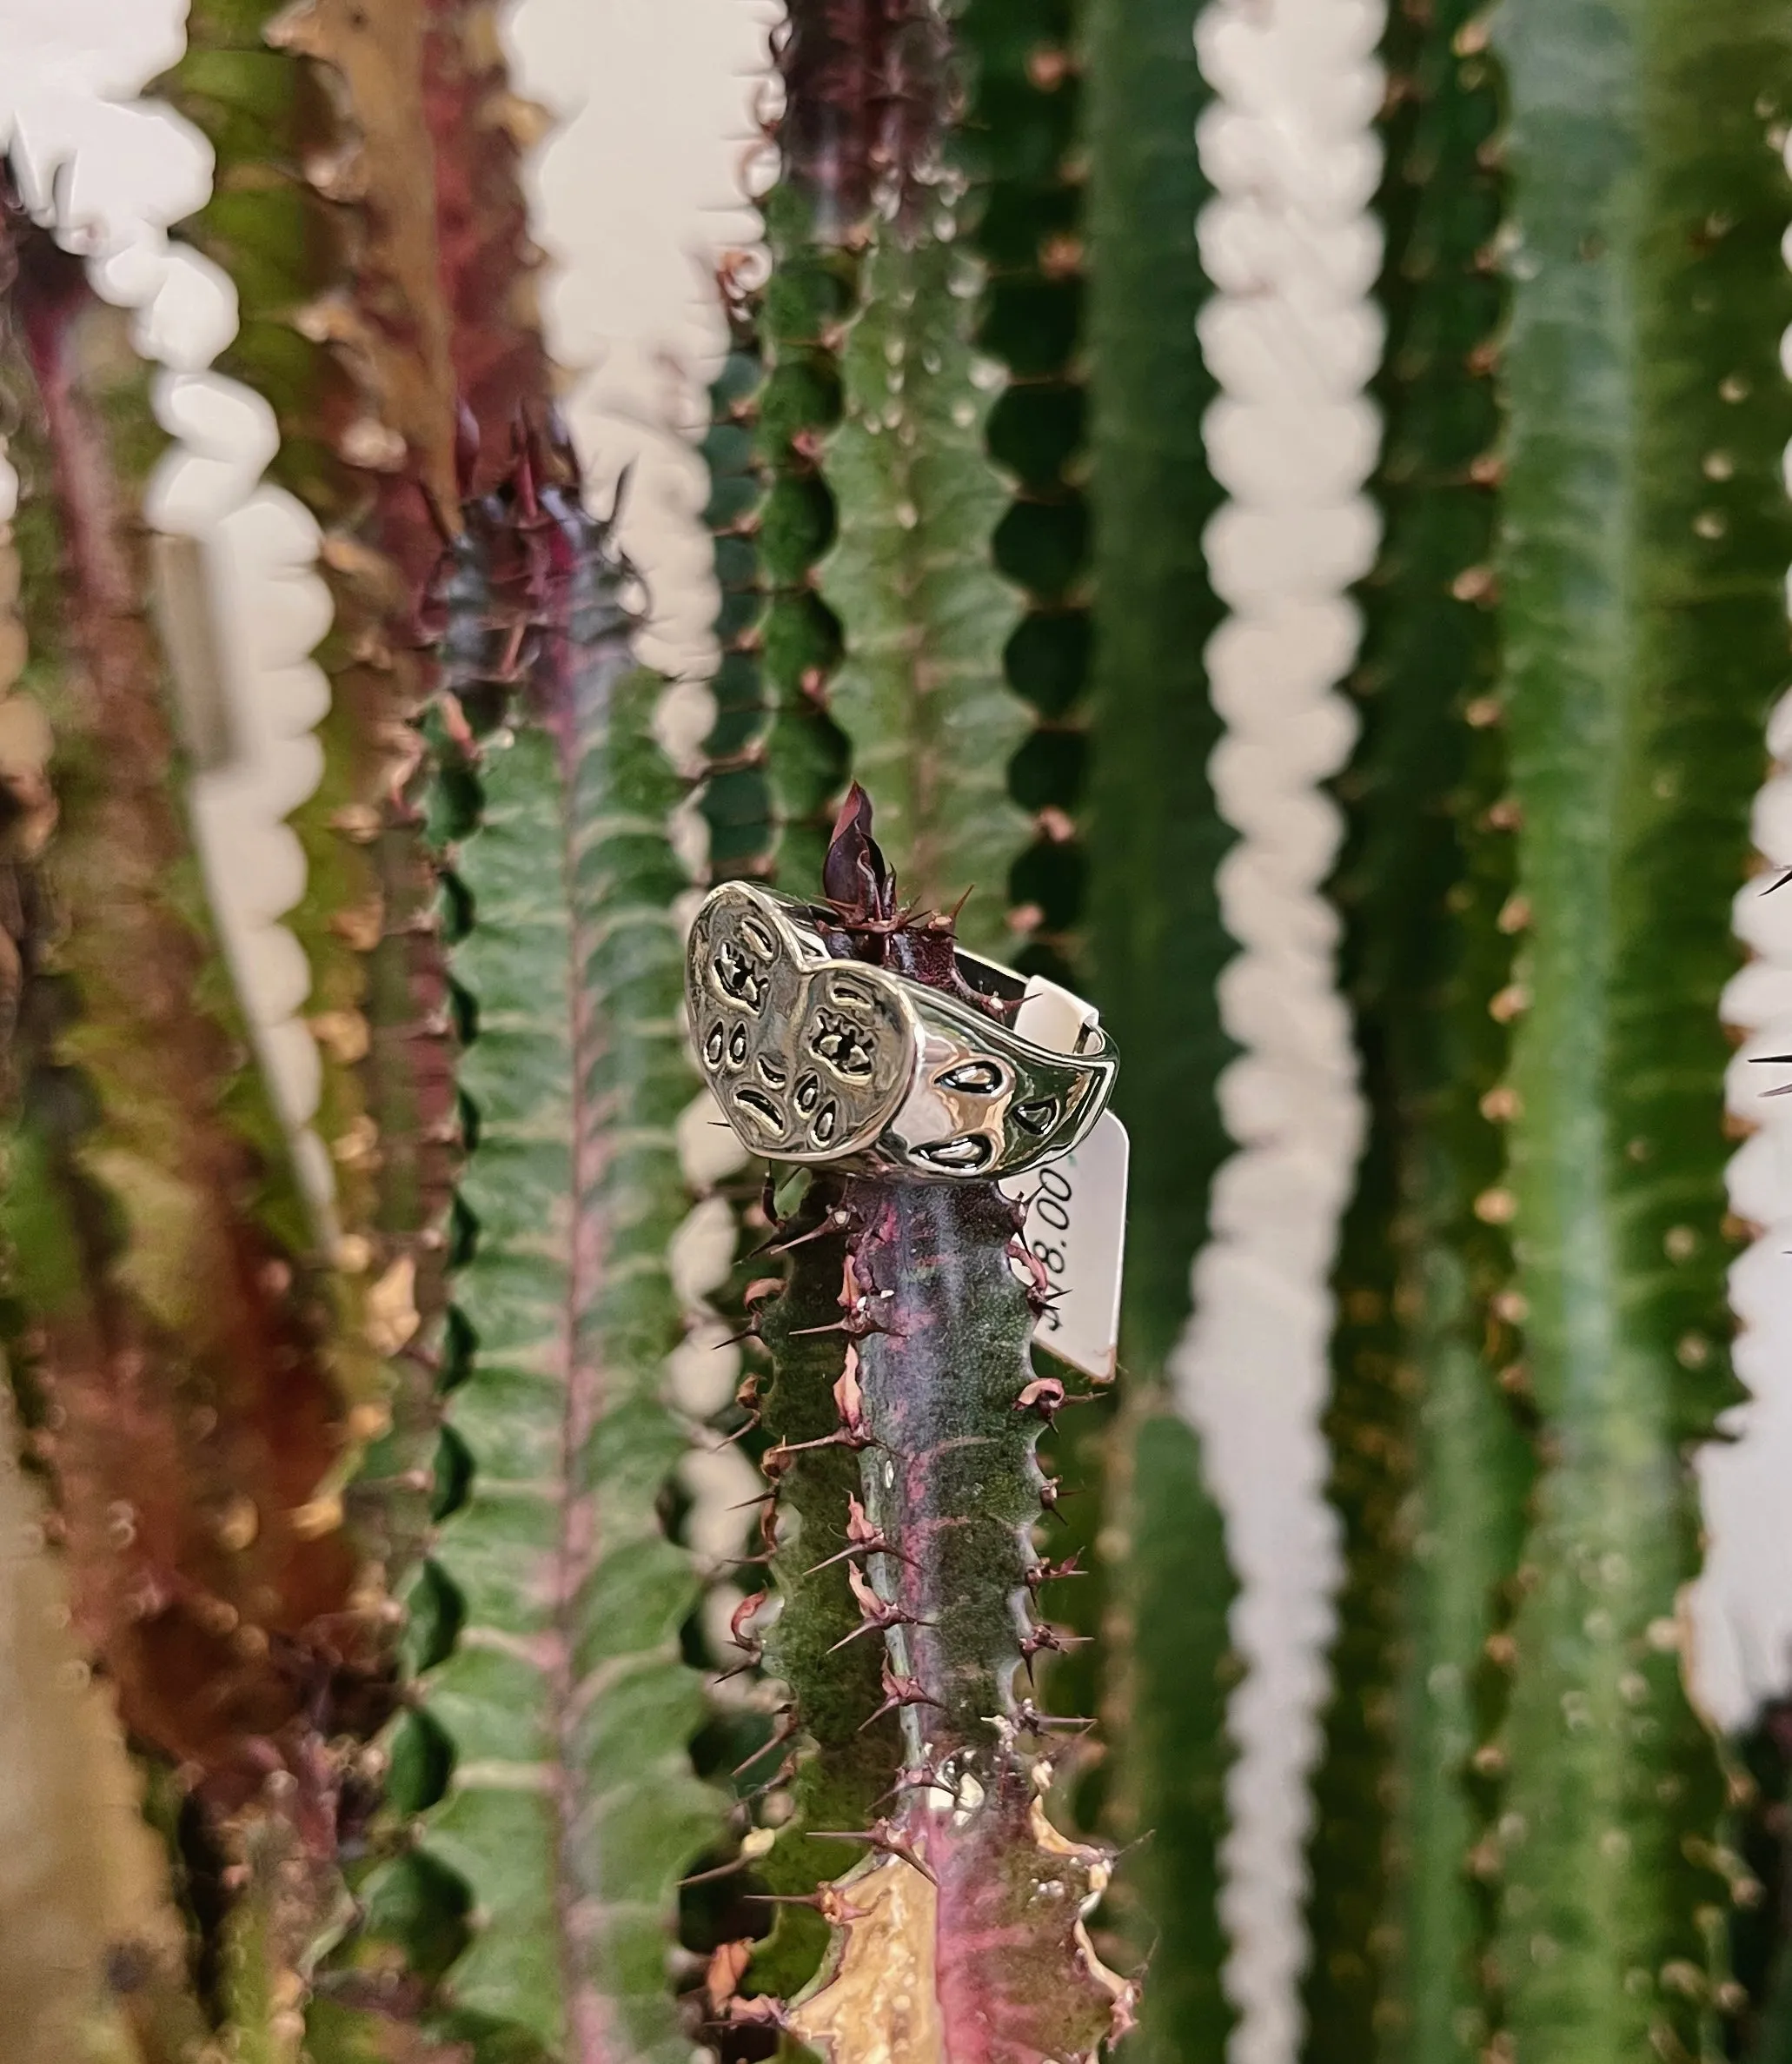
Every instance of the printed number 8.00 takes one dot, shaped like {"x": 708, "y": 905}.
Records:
{"x": 1051, "y": 1208}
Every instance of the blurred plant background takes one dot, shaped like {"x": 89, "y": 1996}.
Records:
{"x": 1318, "y": 436}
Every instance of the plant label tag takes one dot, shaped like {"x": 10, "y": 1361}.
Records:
{"x": 1077, "y": 1224}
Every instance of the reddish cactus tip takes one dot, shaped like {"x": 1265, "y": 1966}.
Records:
{"x": 855, "y": 876}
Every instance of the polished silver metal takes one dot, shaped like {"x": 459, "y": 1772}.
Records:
{"x": 832, "y": 1062}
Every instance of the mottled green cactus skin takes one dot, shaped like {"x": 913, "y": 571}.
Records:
{"x": 844, "y": 1764}
{"x": 1431, "y": 1466}
{"x": 1645, "y": 544}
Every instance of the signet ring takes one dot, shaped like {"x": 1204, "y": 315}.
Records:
{"x": 835, "y": 1063}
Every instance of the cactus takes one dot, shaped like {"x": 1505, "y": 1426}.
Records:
{"x": 569, "y": 1806}
{"x": 1157, "y": 947}
{"x": 1019, "y": 136}
{"x": 372, "y": 301}
{"x": 1431, "y": 1465}
{"x": 927, "y": 1413}
{"x": 176, "y": 1353}
{"x": 885, "y": 621}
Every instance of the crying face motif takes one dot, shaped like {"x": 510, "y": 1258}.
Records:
{"x": 807, "y": 1060}
{"x": 974, "y": 1111}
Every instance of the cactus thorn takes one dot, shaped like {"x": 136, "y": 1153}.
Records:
{"x": 838, "y": 1220}
{"x": 884, "y": 1836}
{"x": 752, "y": 1650}
{"x": 879, "y": 1613}
{"x": 862, "y": 1539}
{"x": 898, "y": 1692}
{"x": 1031, "y": 1720}
{"x": 1045, "y": 1573}
{"x": 1045, "y": 1394}
{"x": 786, "y": 1732}
{"x": 721, "y": 1870}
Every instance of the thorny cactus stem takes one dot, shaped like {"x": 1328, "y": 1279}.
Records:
{"x": 969, "y": 1909}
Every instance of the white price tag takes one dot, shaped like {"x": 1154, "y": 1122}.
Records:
{"x": 1077, "y": 1224}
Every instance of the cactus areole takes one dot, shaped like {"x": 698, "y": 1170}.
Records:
{"x": 960, "y": 1934}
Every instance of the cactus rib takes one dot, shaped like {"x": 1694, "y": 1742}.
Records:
{"x": 924, "y": 615}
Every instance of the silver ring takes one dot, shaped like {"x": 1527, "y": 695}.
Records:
{"x": 834, "y": 1063}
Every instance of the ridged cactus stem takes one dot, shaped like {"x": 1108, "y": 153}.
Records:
{"x": 1020, "y": 140}
{"x": 176, "y": 1326}
{"x": 1431, "y": 1468}
{"x": 368, "y": 209}
{"x": 553, "y": 1694}
{"x": 1645, "y": 542}
{"x": 968, "y": 1893}
{"x": 925, "y": 617}
{"x": 1158, "y": 949}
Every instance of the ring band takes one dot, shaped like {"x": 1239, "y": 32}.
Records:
{"x": 834, "y": 1063}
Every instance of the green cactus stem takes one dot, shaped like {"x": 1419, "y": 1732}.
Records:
{"x": 1020, "y": 138}
{"x": 1158, "y": 945}
{"x": 1155, "y": 846}
{"x": 925, "y": 617}
{"x": 176, "y": 1330}
{"x": 926, "y": 1434}
{"x": 1645, "y": 540}
{"x": 550, "y": 1746}
{"x": 884, "y": 619}
{"x": 1431, "y": 1469}
{"x": 737, "y": 795}
{"x": 862, "y": 111}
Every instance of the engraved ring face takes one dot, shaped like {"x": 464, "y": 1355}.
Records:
{"x": 808, "y": 1059}
{"x": 823, "y": 1061}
